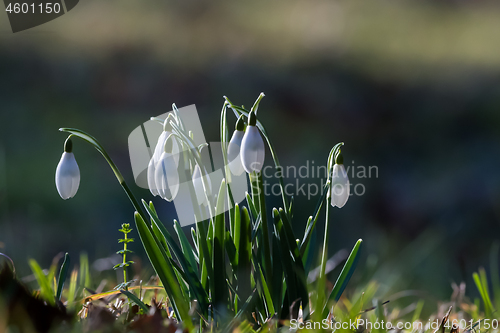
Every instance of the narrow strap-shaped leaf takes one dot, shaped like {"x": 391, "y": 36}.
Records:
{"x": 95, "y": 297}
{"x": 231, "y": 251}
{"x": 311, "y": 222}
{"x": 165, "y": 272}
{"x": 296, "y": 259}
{"x": 251, "y": 207}
{"x": 161, "y": 238}
{"x": 277, "y": 281}
{"x": 72, "y": 288}
{"x": 344, "y": 277}
{"x": 484, "y": 295}
{"x": 136, "y": 300}
{"x": 194, "y": 238}
{"x": 244, "y": 256}
{"x": 219, "y": 295}
{"x": 189, "y": 271}
{"x": 484, "y": 280}
{"x": 256, "y": 228}
{"x": 268, "y": 270}
{"x": 246, "y": 308}
{"x": 286, "y": 261}
{"x": 237, "y": 228}
{"x": 63, "y": 273}
{"x": 268, "y": 300}
{"x": 187, "y": 250}
{"x": 45, "y": 289}
{"x": 84, "y": 270}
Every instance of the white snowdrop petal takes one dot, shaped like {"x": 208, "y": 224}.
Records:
{"x": 159, "y": 146}
{"x": 151, "y": 177}
{"x": 166, "y": 177}
{"x": 67, "y": 176}
{"x": 176, "y": 154}
{"x": 340, "y": 187}
{"x": 198, "y": 186}
{"x": 233, "y": 153}
{"x": 252, "y": 150}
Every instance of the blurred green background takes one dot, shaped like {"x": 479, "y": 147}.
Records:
{"x": 412, "y": 87}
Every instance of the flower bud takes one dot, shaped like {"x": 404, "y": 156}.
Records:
{"x": 159, "y": 149}
{"x": 340, "y": 187}
{"x": 67, "y": 173}
{"x": 234, "y": 147}
{"x": 166, "y": 174}
{"x": 201, "y": 197}
{"x": 252, "y": 147}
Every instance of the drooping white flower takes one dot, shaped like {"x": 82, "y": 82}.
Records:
{"x": 166, "y": 174}
{"x": 159, "y": 149}
{"x": 234, "y": 147}
{"x": 340, "y": 187}
{"x": 252, "y": 147}
{"x": 67, "y": 173}
{"x": 151, "y": 177}
{"x": 199, "y": 189}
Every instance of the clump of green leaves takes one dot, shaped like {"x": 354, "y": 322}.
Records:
{"x": 245, "y": 267}
{"x": 125, "y": 240}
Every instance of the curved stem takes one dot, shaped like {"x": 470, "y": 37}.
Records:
{"x": 239, "y": 111}
{"x": 93, "y": 141}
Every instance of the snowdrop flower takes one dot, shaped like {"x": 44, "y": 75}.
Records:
{"x": 166, "y": 175}
{"x": 201, "y": 197}
{"x": 252, "y": 147}
{"x": 340, "y": 183}
{"x": 159, "y": 149}
{"x": 234, "y": 147}
{"x": 67, "y": 173}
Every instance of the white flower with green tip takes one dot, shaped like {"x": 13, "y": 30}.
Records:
{"x": 252, "y": 147}
{"x": 67, "y": 173}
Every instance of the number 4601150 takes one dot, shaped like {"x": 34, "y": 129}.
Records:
{"x": 25, "y": 8}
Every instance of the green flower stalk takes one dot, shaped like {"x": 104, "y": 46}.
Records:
{"x": 125, "y": 240}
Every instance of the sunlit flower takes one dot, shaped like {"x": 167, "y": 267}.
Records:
{"x": 234, "y": 147}
{"x": 159, "y": 149}
{"x": 252, "y": 147}
{"x": 166, "y": 174}
{"x": 340, "y": 183}
{"x": 67, "y": 173}
{"x": 201, "y": 197}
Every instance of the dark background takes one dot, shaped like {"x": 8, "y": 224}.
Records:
{"x": 412, "y": 87}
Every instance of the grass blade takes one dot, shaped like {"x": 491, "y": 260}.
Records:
{"x": 136, "y": 300}
{"x": 84, "y": 270}
{"x": 219, "y": 295}
{"x": 62, "y": 276}
{"x": 45, "y": 289}
{"x": 268, "y": 301}
{"x": 187, "y": 250}
{"x": 95, "y": 297}
{"x": 189, "y": 271}
{"x": 244, "y": 256}
{"x": 344, "y": 277}
{"x": 72, "y": 288}
{"x": 162, "y": 267}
